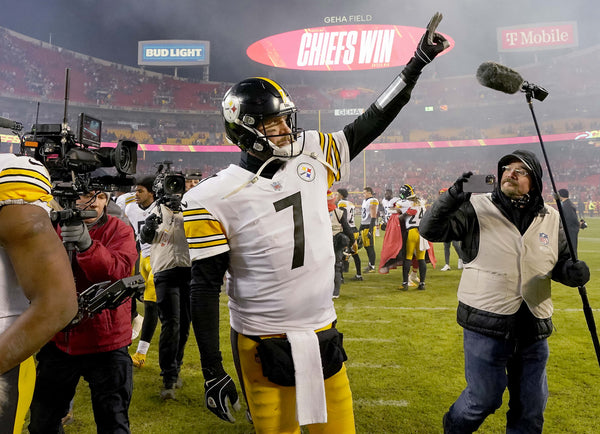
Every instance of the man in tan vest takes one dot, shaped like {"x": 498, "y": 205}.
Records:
{"x": 513, "y": 246}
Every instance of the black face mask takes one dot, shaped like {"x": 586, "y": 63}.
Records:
{"x": 521, "y": 202}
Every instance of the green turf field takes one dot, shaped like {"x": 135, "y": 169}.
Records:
{"x": 404, "y": 360}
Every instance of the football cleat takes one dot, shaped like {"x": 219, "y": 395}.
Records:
{"x": 139, "y": 360}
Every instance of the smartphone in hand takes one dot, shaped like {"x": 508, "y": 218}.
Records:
{"x": 480, "y": 184}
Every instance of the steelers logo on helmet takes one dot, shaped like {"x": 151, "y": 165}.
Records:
{"x": 231, "y": 107}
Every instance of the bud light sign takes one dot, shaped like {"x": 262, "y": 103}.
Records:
{"x": 173, "y": 53}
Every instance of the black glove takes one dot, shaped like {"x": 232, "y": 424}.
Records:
{"x": 456, "y": 191}
{"x": 152, "y": 221}
{"x": 76, "y": 233}
{"x": 149, "y": 229}
{"x": 431, "y": 43}
{"x": 576, "y": 273}
{"x": 220, "y": 393}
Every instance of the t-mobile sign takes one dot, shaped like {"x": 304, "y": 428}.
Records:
{"x": 538, "y": 36}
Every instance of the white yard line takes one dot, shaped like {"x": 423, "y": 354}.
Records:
{"x": 380, "y": 403}
{"x": 341, "y": 309}
{"x": 368, "y": 321}
{"x": 372, "y": 366}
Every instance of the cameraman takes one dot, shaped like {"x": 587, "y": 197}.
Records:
{"x": 513, "y": 245}
{"x": 37, "y": 290}
{"x": 170, "y": 263}
{"x": 96, "y": 348}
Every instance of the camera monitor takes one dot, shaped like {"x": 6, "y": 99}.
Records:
{"x": 89, "y": 131}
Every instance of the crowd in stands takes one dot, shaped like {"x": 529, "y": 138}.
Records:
{"x": 178, "y": 111}
{"x": 575, "y": 167}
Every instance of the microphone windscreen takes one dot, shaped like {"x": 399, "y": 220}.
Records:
{"x": 499, "y": 77}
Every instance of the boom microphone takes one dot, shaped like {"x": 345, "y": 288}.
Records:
{"x": 499, "y": 77}
{"x": 12, "y": 125}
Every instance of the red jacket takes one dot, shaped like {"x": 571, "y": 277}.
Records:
{"x": 111, "y": 256}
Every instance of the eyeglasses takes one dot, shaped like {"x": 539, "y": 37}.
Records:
{"x": 520, "y": 172}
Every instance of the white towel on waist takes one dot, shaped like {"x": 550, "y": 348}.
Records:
{"x": 310, "y": 387}
{"x": 423, "y": 244}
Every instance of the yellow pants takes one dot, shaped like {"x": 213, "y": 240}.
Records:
{"x": 273, "y": 407}
{"x": 412, "y": 244}
{"x": 19, "y": 384}
{"x": 365, "y": 238}
{"x": 148, "y": 275}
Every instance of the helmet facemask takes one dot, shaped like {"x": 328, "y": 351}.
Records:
{"x": 262, "y": 143}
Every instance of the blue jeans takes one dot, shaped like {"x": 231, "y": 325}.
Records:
{"x": 492, "y": 365}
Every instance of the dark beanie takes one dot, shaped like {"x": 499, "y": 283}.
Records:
{"x": 563, "y": 192}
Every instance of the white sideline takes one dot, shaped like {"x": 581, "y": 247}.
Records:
{"x": 375, "y": 321}
{"x": 371, "y": 366}
{"x": 341, "y": 309}
{"x": 380, "y": 402}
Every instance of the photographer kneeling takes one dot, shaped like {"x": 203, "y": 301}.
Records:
{"x": 170, "y": 262}
{"x": 96, "y": 348}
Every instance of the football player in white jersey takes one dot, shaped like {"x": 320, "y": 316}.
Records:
{"x": 264, "y": 225}
{"x": 37, "y": 289}
{"x": 388, "y": 202}
{"x": 411, "y": 210}
{"x": 124, "y": 199}
{"x": 137, "y": 212}
{"x": 367, "y": 223}
{"x": 344, "y": 203}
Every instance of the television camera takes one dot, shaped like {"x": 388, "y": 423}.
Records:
{"x": 72, "y": 158}
{"x": 169, "y": 186}
{"x": 107, "y": 295}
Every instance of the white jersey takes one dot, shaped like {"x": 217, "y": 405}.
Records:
{"x": 366, "y": 210}
{"x": 350, "y": 208}
{"x": 278, "y": 234}
{"x": 411, "y": 221}
{"x": 388, "y": 207}
{"x": 125, "y": 199}
{"x": 137, "y": 217}
{"x": 23, "y": 180}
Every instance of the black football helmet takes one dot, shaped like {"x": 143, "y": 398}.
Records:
{"x": 406, "y": 192}
{"x": 246, "y": 107}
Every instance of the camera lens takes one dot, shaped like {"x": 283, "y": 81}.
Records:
{"x": 174, "y": 184}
